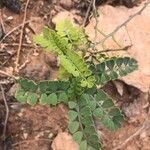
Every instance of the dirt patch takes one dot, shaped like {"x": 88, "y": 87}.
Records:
{"x": 33, "y": 123}
{"x": 135, "y": 106}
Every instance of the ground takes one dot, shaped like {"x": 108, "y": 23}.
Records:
{"x": 35, "y": 128}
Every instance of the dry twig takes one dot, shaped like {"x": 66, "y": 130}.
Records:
{"x": 87, "y": 13}
{"x": 30, "y": 141}
{"x": 6, "y": 74}
{"x": 110, "y": 50}
{"x": 21, "y": 36}
{"x": 14, "y": 29}
{"x": 7, "y": 112}
{"x": 1, "y": 21}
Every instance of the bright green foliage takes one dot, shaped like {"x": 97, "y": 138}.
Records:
{"x": 26, "y": 97}
{"x": 63, "y": 73}
{"x": 69, "y": 59}
{"x": 21, "y": 95}
{"x": 78, "y": 85}
{"x": 32, "y": 98}
{"x": 74, "y": 35}
{"x": 75, "y": 89}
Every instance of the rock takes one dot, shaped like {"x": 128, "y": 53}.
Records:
{"x": 69, "y": 15}
{"x": 64, "y": 141}
{"x": 138, "y": 28}
{"x": 67, "y": 4}
{"x": 63, "y": 15}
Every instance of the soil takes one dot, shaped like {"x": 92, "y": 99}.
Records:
{"x": 34, "y": 128}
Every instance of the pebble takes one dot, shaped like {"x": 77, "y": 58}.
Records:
{"x": 67, "y": 4}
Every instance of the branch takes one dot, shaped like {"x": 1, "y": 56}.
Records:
{"x": 7, "y": 74}
{"x": 87, "y": 14}
{"x": 30, "y": 141}
{"x": 21, "y": 36}
{"x": 124, "y": 23}
{"x": 7, "y": 113}
{"x": 110, "y": 50}
{"x": 14, "y": 29}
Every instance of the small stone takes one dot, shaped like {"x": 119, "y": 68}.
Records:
{"x": 67, "y": 4}
{"x": 25, "y": 135}
{"x": 50, "y": 135}
{"x": 27, "y": 30}
{"x": 28, "y": 39}
{"x": 64, "y": 141}
{"x": 10, "y": 18}
{"x": 143, "y": 135}
{"x": 20, "y": 114}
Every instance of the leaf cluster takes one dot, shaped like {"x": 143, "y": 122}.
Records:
{"x": 59, "y": 43}
{"x": 44, "y": 92}
{"x": 114, "y": 68}
{"x": 78, "y": 90}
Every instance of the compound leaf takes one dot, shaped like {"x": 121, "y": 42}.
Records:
{"x": 87, "y": 123}
{"x": 114, "y": 67}
{"x": 106, "y": 111}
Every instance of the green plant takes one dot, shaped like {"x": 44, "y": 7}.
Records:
{"x": 77, "y": 84}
